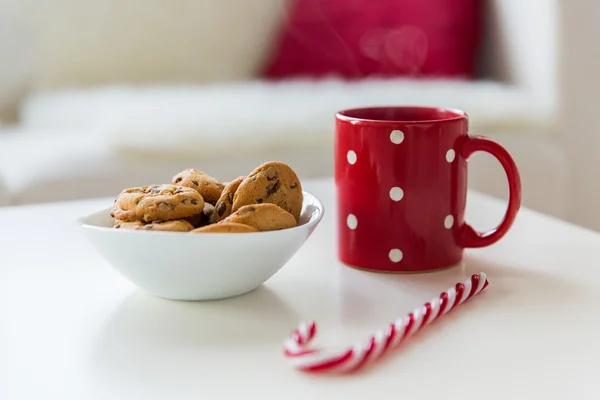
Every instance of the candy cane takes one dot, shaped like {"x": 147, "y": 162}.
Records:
{"x": 297, "y": 346}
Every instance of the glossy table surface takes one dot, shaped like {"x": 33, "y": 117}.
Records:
{"x": 72, "y": 328}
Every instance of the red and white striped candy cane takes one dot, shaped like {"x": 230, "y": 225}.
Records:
{"x": 307, "y": 359}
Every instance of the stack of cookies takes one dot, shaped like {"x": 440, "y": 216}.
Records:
{"x": 269, "y": 198}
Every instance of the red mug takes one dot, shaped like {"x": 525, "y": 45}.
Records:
{"x": 401, "y": 178}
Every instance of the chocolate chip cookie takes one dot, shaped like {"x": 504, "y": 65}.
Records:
{"x": 225, "y": 227}
{"x": 157, "y": 202}
{"x": 263, "y": 217}
{"x": 225, "y": 202}
{"x": 206, "y": 185}
{"x": 272, "y": 182}
{"x": 177, "y": 225}
{"x": 135, "y": 225}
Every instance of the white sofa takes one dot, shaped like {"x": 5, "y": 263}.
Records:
{"x": 92, "y": 136}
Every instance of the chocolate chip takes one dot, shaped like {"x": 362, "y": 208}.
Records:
{"x": 194, "y": 201}
{"x": 294, "y": 186}
{"x": 178, "y": 190}
{"x": 230, "y": 197}
{"x": 259, "y": 201}
{"x": 184, "y": 201}
{"x": 117, "y": 226}
{"x": 221, "y": 209}
{"x": 179, "y": 179}
{"x": 274, "y": 188}
{"x": 195, "y": 183}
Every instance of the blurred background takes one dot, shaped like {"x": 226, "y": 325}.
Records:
{"x": 98, "y": 95}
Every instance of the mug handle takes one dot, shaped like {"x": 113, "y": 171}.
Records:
{"x": 469, "y": 237}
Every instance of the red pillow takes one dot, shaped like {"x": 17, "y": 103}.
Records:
{"x": 385, "y": 38}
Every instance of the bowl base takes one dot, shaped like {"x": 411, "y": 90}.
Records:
{"x": 201, "y": 298}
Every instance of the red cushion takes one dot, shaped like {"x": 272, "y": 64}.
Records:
{"x": 386, "y": 38}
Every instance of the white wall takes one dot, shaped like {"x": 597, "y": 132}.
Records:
{"x": 580, "y": 106}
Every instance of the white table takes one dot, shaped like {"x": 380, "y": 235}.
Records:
{"x": 71, "y": 328}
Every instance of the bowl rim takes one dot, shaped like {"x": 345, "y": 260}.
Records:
{"x": 314, "y": 220}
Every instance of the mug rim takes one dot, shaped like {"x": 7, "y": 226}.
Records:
{"x": 457, "y": 114}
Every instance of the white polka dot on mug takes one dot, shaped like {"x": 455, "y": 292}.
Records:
{"x": 352, "y": 221}
{"x": 351, "y": 157}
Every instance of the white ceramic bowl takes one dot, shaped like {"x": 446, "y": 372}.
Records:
{"x": 207, "y": 266}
